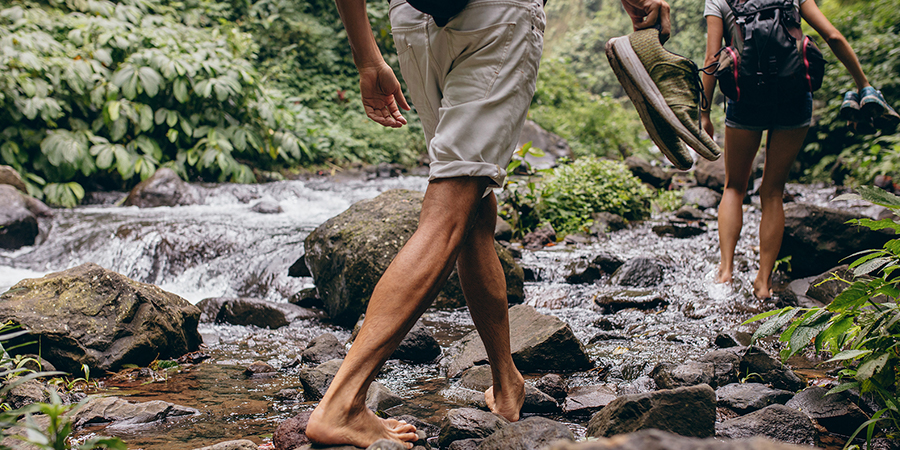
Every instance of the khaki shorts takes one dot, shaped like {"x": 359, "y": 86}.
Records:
{"x": 471, "y": 81}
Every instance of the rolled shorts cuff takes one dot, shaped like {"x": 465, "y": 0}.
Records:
{"x": 454, "y": 169}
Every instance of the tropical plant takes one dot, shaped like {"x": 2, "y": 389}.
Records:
{"x": 520, "y": 193}
{"x": 56, "y": 433}
{"x": 861, "y": 327}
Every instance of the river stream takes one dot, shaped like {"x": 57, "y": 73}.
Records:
{"x": 225, "y": 249}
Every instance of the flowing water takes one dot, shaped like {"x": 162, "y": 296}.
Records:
{"x": 224, "y": 249}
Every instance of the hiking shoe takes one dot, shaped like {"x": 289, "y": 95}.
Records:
{"x": 871, "y": 103}
{"x": 888, "y": 121}
{"x": 669, "y": 84}
{"x": 850, "y": 106}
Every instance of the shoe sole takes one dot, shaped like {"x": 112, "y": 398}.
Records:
{"x": 643, "y": 91}
{"x": 871, "y": 107}
{"x": 849, "y": 112}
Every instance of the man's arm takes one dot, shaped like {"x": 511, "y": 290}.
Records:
{"x": 381, "y": 92}
{"x": 646, "y": 13}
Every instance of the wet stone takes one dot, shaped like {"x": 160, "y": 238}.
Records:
{"x": 503, "y": 231}
{"x": 267, "y": 205}
{"x": 826, "y": 291}
{"x": 583, "y": 272}
{"x": 315, "y": 381}
{"x": 537, "y": 401}
{"x": 756, "y": 360}
{"x": 775, "y": 422}
{"x": 18, "y": 225}
{"x": 259, "y": 369}
{"x": 608, "y": 222}
{"x": 587, "y": 400}
{"x": 123, "y": 416}
{"x": 469, "y": 423}
{"x": 539, "y": 238}
{"x": 289, "y": 395}
{"x": 553, "y": 385}
{"x": 299, "y": 269}
{"x": 653, "y": 175}
{"x": 291, "y": 433}
{"x": 748, "y": 397}
{"x": 163, "y": 188}
{"x": 661, "y": 440}
{"x": 639, "y": 272}
{"x": 630, "y": 298}
{"x": 678, "y": 230}
{"x": 725, "y": 366}
{"x": 465, "y": 444}
{"x": 670, "y": 376}
{"x": 530, "y": 433}
{"x": 419, "y": 346}
{"x": 728, "y": 339}
{"x": 688, "y": 411}
{"x": 241, "y": 444}
{"x": 477, "y": 378}
{"x": 701, "y": 197}
{"x": 834, "y": 412}
{"x": 323, "y": 348}
{"x": 690, "y": 213}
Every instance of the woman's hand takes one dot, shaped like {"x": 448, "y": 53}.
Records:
{"x": 707, "y": 124}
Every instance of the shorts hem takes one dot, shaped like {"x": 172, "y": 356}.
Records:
{"x": 454, "y": 169}
{"x": 739, "y": 126}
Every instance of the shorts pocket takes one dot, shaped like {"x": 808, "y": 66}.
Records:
{"x": 478, "y": 56}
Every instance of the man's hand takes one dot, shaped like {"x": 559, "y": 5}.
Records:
{"x": 381, "y": 93}
{"x": 646, "y": 14}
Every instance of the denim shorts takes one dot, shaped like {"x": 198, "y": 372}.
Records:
{"x": 471, "y": 81}
{"x": 796, "y": 113}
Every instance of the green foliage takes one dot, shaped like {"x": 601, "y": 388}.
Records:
{"x": 833, "y": 151}
{"x": 520, "y": 197}
{"x": 861, "y": 327}
{"x": 667, "y": 200}
{"x": 596, "y": 125}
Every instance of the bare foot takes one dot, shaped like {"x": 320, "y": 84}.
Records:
{"x": 507, "y": 404}
{"x": 724, "y": 276}
{"x": 762, "y": 292}
{"x": 328, "y": 426}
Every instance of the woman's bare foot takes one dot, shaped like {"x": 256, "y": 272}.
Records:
{"x": 507, "y": 404}
{"x": 331, "y": 426}
{"x": 725, "y": 275}
{"x": 761, "y": 291}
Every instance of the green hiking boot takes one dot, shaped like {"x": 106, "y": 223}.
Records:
{"x": 667, "y": 83}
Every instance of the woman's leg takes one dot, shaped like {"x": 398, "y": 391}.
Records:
{"x": 781, "y": 150}
{"x": 740, "y": 150}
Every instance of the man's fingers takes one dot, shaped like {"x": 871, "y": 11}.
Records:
{"x": 647, "y": 21}
{"x": 401, "y": 100}
{"x": 395, "y": 113}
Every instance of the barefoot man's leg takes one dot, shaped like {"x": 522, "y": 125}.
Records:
{"x": 405, "y": 290}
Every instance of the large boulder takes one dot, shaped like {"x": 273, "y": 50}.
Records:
{"x": 688, "y": 411}
{"x": 661, "y": 440}
{"x": 818, "y": 238}
{"x": 18, "y": 225}
{"x": 163, "y": 188}
{"x": 554, "y": 147}
{"x": 539, "y": 343}
{"x": 90, "y": 315}
{"x": 252, "y": 311}
{"x": 348, "y": 254}
{"x": 10, "y": 177}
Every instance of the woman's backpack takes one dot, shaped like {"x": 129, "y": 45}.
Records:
{"x": 769, "y": 60}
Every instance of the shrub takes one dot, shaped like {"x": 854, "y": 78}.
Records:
{"x": 573, "y": 192}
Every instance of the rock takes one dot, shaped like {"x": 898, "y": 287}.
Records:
{"x": 710, "y": 174}
{"x": 537, "y": 401}
{"x": 299, "y": 269}
{"x": 323, "y": 348}
{"x": 819, "y": 238}
{"x": 553, "y": 385}
{"x": 725, "y": 366}
{"x": 834, "y": 412}
{"x": 469, "y": 423}
{"x": 826, "y": 291}
{"x": 163, "y": 188}
{"x": 465, "y": 444}
{"x": 539, "y": 238}
{"x": 728, "y": 339}
{"x": 612, "y": 302}
{"x": 477, "y": 378}
{"x": 538, "y": 343}
{"x": 10, "y": 177}
{"x": 291, "y": 433}
{"x": 701, "y": 197}
{"x": 267, "y": 205}
{"x": 661, "y": 440}
{"x": 18, "y": 225}
{"x": 90, "y": 315}
{"x": 307, "y": 298}
{"x": 532, "y": 433}
{"x": 756, "y": 360}
{"x": 639, "y": 272}
{"x": 748, "y": 397}
{"x": 587, "y": 400}
{"x": 583, "y": 272}
{"x": 386, "y": 444}
{"x": 240, "y": 444}
{"x": 688, "y": 411}
{"x": 31, "y": 391}
{"x": 653, "y": 175}
{"x": 251, "y": 311}
{"x": 607, "y": 262}
{"x": 419, "y": 346}
{"x": 503, "y": 231}
{"x": 348, "y": 253}
{"x": 315, "y": 381}
{"x": 122, "y": 415}
{"x": 289, "y": 395}
{"x": 776, "y": 422}
{"x": 678, "y": 230}
{"x": 554, "y": 147}
{"x": 259, "y": 369}
{"x": 606, "y": 221}
{"x": 691, "y": 373}
{"x": 692, "y": 214}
